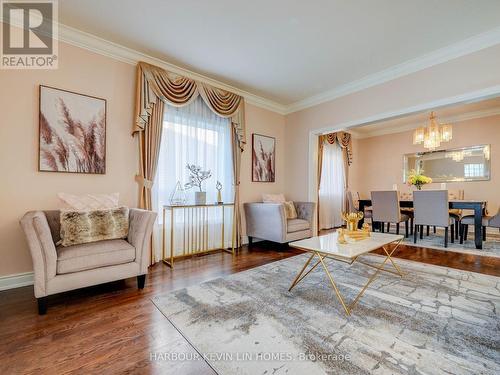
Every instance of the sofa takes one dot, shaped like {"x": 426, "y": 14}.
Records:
{"x": 267, "y": 221}
{"x": 58, "y": 269}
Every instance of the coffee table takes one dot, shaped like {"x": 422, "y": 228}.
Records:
{"x": 327, "y": 247}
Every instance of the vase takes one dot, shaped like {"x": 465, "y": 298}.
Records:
{"x": 200, "y": 197}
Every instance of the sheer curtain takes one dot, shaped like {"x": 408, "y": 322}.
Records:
{"x": 331, "y": 190}
{"x": 193, "y": 134}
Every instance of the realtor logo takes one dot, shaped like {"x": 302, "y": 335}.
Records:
{"x": 29, "y": 34}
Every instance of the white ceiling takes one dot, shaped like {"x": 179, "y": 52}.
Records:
{"x": 283, "y": 50}
{"x": 450, "y": 114}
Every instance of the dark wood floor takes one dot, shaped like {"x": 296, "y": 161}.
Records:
{"x": 114, "y": 328}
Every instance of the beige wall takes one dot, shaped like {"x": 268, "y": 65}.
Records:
{"x": 380, "y": 160}
{"x": 263, "y": 122}
{"x": 456, "y": 77}
{"x": 23, "y": 188}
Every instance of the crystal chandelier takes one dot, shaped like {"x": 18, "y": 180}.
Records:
{"x": 432, "y": 135}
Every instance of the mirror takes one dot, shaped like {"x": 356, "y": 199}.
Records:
{"x": 458, "y": 164}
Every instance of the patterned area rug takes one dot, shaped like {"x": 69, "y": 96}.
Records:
{"x": 491, "y": 247}
{"x": 434, "y": 320}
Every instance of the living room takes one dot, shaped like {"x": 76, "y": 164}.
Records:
{"x": 224, "y": 158}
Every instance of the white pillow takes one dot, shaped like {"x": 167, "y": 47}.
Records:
{"x": 273, "y": 198}
{"x": 89, "y": 201}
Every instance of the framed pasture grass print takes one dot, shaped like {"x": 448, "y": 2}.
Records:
{"x": 72, "y": 132}
{"x": 263, "y": 158}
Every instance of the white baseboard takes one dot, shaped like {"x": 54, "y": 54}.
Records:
{"x": 16, "y": 280}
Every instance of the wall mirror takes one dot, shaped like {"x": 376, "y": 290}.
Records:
{"x": 452, "y": 165}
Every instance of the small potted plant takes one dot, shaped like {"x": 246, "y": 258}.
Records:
{"x": 418, "y": 179}
{"x": 196, "y": 178}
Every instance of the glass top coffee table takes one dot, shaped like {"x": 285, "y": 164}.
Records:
{"x": 327, "y": 247}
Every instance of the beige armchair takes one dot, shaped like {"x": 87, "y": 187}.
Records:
{"x": 267, "y": 221}
{"x": 58, "y": 269}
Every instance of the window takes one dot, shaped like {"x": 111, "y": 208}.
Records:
{"x": 473, "y": 170}
{"x": 193, "y": 134}
{"x": 331, "y": 190}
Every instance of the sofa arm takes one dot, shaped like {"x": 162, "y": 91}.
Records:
{"x": 42, "y": 248}
{"x": 139, "y": 235}
{"x": 305, "y": 211}
{"x": 266, "y": 221}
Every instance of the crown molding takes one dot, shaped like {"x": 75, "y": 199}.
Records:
{"x": 119, "y": 52}
{"x": 406, "y": 127}
{"x": 462, "y": 48}
{"x": 127, "y": 55}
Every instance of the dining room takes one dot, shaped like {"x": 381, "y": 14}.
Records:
{"x": 432, "y": 175}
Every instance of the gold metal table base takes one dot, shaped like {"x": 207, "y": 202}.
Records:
{"x": 321, "y": 260}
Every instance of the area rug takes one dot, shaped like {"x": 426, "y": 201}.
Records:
{"x": 434, "y": 320}
{"x": 491, "y": 247}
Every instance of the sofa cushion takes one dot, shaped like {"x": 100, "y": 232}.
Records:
{"x": 87, "y": 202}
{"x": 290, "y": 211}
{"x": 273, "y": 198}
{"x": 78, "y": 227}
{"x": 296, "y": 225}
{"x": 93, "y": 255}
{"x": 54, "y": 221}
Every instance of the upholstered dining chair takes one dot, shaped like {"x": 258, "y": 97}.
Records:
{"x": 386, "y": 210}
{"x": 488, "y": 221}
{"x": 407, "y": 196}
{"x": 456, "y": 213}
{"x": 352, "y": 198}
{"x": 431, "y": 209}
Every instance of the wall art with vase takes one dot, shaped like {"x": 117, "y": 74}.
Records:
{"x": 263, "y": 158}
{"x": 72, "y": 132}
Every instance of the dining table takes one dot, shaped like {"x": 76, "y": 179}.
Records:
{"x": 478, "y": 206}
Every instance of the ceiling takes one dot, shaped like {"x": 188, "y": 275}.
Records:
{"x": 451, "y": 114}
{"x": 283, "y": 50}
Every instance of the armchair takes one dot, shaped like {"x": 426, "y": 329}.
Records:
{"x": 58, "y": 269}
{"x": 267, "y": 221}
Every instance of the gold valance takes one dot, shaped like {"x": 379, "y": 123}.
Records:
{"x": 344, "y": 140}
{"x": 154, "y": 83}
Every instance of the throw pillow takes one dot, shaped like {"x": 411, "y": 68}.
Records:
{"x": 78, "y": 227}
{"x": 273, "y": 198}
{"x": 89, "y": 201}
{"x": 290, "y": 211}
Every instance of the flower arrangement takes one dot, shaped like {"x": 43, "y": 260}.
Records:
{"x": 417, "y": 179}
{"x": 196, "y": 177}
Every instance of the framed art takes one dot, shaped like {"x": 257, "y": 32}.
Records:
{"x": 72, "y": 132}
{"x": 263, "y": 158}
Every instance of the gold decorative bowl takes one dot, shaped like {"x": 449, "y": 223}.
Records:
{"x": 352, "y": 219}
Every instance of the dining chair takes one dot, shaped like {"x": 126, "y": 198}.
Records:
{"x": 431, "y": 209}
{"x": 386, "y": 209}
{"x": 353, "y": 197}
{"x": 487, "y": 221}
{"x": 407, "y": 196}
{"x": 454, "y": 212}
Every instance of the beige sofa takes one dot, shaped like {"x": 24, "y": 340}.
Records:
{"x": 58, "y": 269}
{"x": 267, "y": 221}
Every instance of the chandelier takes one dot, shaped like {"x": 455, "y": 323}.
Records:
{"x": 432, "y": 135}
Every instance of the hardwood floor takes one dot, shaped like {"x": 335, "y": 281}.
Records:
{"x": 114, "y": 328}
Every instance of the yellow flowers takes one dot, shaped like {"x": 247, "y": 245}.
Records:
{"x": 417, "y": 179}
